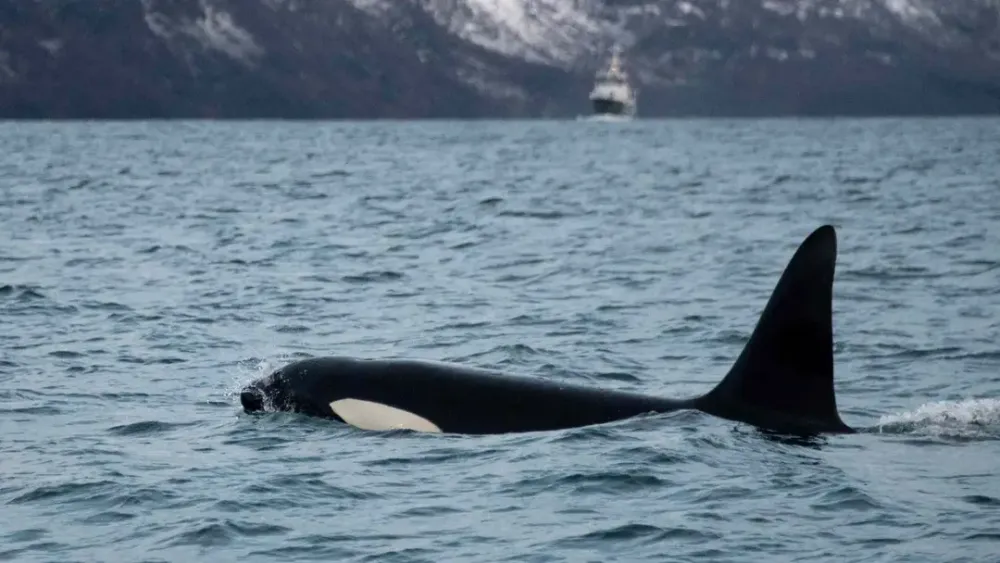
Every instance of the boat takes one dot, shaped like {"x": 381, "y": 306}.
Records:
{"x": 612, "y": 95}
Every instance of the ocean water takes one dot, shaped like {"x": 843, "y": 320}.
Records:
{"x": 148, "y": 270}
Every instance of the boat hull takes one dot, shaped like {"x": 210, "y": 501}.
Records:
{"x": 610, "y": 107}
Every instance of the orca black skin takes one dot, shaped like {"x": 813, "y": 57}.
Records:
{"x": 781, "y": 382}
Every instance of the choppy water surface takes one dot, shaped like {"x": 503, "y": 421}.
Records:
{"x": 148, "y": 270}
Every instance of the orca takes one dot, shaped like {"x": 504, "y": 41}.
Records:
{"x": 782, "y": 381}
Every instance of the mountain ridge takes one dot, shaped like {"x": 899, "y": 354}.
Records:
{"x": 363, "y": 59}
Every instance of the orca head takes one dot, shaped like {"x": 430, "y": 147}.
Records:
{"x": 332, "y": 387}
{"x": 300, "y": 387}
{"x": 267, "y": 393}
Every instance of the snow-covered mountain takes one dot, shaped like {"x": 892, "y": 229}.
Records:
{"x": 750, "y": 56}
{"x": 419, "y": 58}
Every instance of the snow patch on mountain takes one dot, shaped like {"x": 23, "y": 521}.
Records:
{"x": 374, "y": 7}
{"x": 488, "y": 82}
{"x": 213, "y": 29}
{"x": 543, "y": 31}
{"x": 688, "y": 8}
{"x": 53, "y": 46}
{"x": 911, "y": 11}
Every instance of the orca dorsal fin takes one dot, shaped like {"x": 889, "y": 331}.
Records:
{"x": 783, "y": 378}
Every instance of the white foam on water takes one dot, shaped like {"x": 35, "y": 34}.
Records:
{"x": 969, "y": 418}
{"x": 249, "y": 371}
